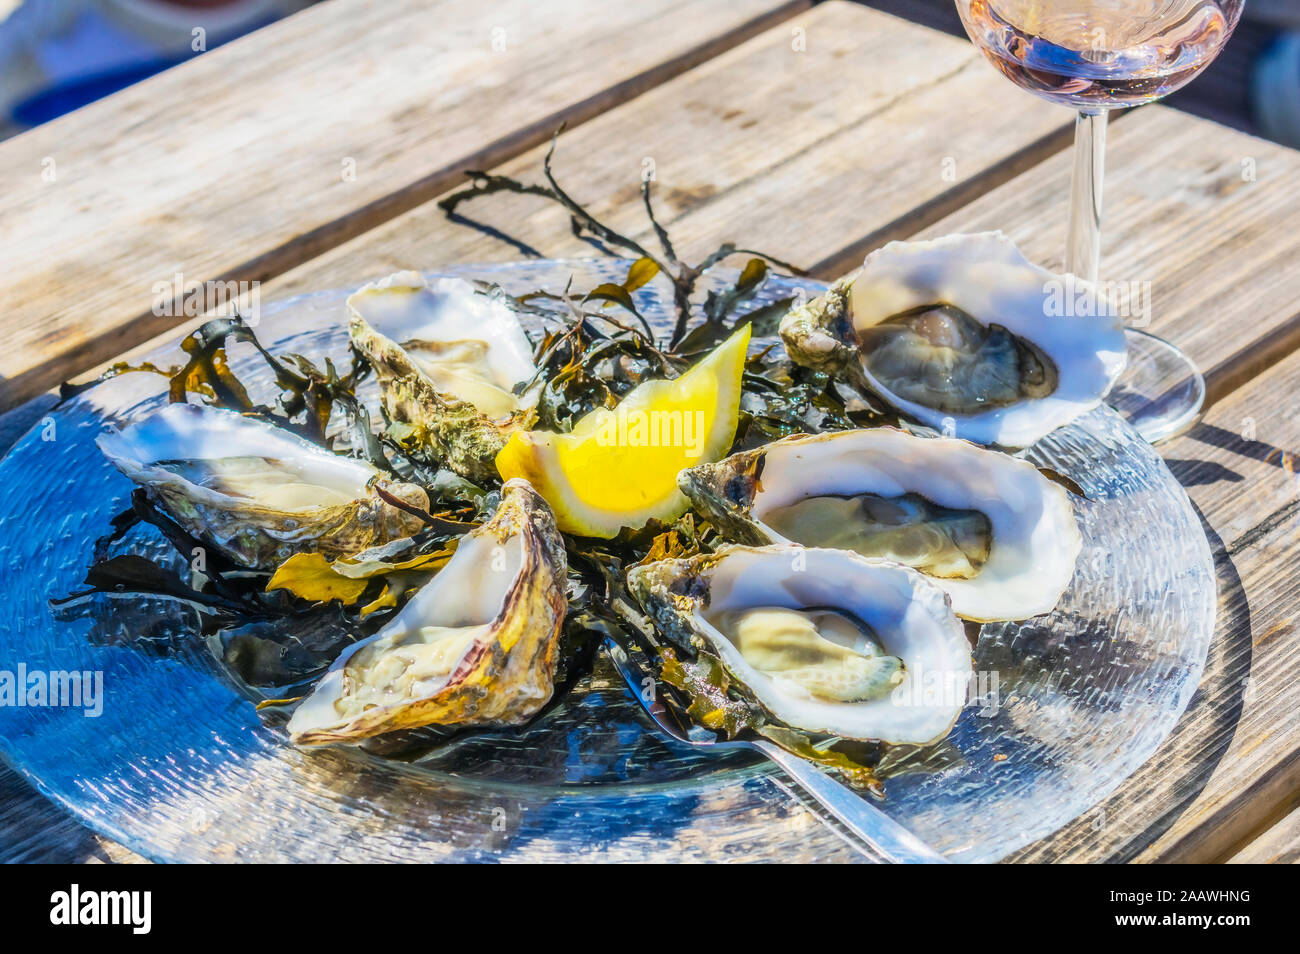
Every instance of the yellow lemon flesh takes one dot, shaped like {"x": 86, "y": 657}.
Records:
{"x": 618, "y": 468}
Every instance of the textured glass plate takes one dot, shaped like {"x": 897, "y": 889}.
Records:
{"x": 180, "y": 767}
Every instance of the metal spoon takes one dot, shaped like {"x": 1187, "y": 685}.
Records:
{"x": 881, "y": 833}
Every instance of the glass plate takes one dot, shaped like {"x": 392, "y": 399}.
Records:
{"x": 180, "y": 767}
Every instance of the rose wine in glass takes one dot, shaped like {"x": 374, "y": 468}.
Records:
{"x": 1094, "y": 56}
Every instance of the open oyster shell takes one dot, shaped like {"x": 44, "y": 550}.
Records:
{"x": 257, "y": 492}
{"x": 1010, "y": 354}
{"x": 909, "y": 617}
{"x": 1032, "y": 536}
{"x": 475, "y": 646}
{"x": 448, "y": 362}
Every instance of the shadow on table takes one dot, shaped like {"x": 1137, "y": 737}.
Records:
{"x": 1194, "y": 473}
{"x": 17, "y": 422}
{"x": 35, "y": 830}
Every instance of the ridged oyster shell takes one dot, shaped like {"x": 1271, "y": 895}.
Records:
{"x": 1035, "y": 537}
{"x": 447, "y": 359}
{"x": 909, "y": 615}
{"x": 483, "y": 633}
{"x": 171, "y": 452}
{"x": 987, "y": 277}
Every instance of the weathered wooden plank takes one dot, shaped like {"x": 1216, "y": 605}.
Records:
{"x": 1280, "y": 845}
{"x": 1205, "y": 217}
{"x": 837, "y": 125}
{"x": 827, "y": 119}
{"x": 1232, "y": 766}
{"x": 251, "y": 159}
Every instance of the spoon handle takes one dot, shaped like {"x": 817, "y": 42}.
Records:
{"x": 888, "y": 838}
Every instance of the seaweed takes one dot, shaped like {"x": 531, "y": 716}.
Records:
{"x": 683, "y": 276}
{"x": 275, "y": 631}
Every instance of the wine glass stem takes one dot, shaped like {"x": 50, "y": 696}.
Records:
{"x": 1083, "y": 252}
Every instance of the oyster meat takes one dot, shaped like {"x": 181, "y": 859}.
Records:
{"x": 451, "y": 363}
{"x": 990, "y": 530}
{"x": 825, "y": 640}
{"x": 822, "y": 652}
{"x": 476, "y": 645}
{"x": 967, "y": 336}
{"x": 257, "y": 492}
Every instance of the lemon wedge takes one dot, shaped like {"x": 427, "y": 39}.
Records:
{"x": 618, "y": 468}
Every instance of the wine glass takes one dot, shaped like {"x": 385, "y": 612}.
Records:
{"x": 1095, "y": 56}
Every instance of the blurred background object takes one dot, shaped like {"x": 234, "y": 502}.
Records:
{"x": 1276, "y": 80}
{"x": 57, "y": 55}
{"x": 1254, "y": 85}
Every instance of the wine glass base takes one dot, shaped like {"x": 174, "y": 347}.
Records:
{"x": 1161, "y": 393}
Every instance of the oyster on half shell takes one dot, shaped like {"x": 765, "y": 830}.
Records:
{"x": 990, "y": 530}
{"x": 451, "y": 363}
{"x": 476, "y": 645}
{"x": 825, "y": 640}
{"x": 257, "y": 492}
{"x": 965, "y": 335}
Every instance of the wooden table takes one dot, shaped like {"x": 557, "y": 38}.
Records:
{"x": 309, "y": 155}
